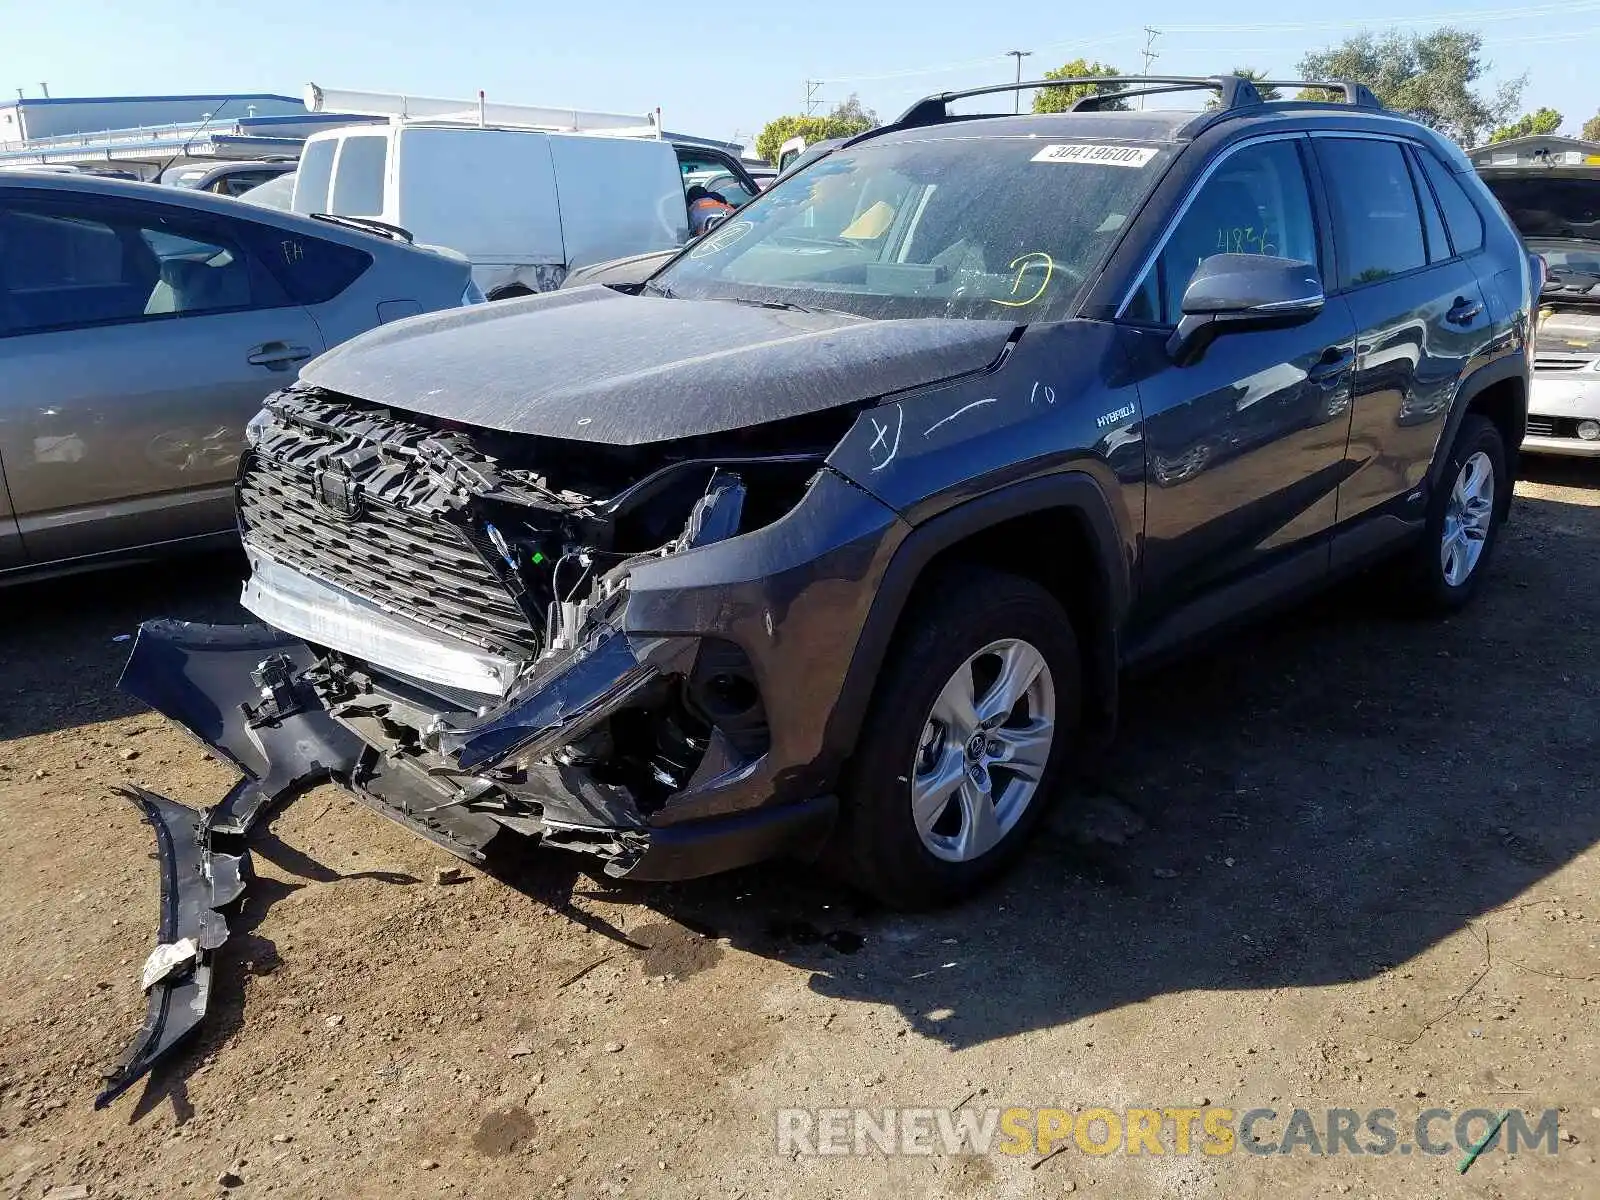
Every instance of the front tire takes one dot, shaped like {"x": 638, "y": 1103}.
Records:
{"x": 971, "y": 723}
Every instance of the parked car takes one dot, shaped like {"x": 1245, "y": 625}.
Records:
{"x": 525, "y": 205}
{"x": 836, "y": 539}
{"x": 225, "y": 179}
{"x": 140, "y": 328}
{"x": 276, "y": 193}
{"x": 1556, "y": 208}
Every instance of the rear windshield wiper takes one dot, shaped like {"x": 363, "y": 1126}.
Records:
{"x": 367, "y": 225}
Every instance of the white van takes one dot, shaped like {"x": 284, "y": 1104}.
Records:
{"x": 525, "y": 205}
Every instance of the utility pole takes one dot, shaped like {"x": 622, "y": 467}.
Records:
{"x": 1149, "y": 52}
{"x": 1016, "y": 97}
{"x": 45, "y": 88}
{"x": 812, "y": 99}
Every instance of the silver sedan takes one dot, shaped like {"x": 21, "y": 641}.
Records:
{"x": 140, "y": 329}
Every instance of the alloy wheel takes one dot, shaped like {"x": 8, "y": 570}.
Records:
{"x": 1468, "y": 517}
{"x": 982, "y": 750}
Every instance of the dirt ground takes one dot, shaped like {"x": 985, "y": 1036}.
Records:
{"x": 1342, "y": 860}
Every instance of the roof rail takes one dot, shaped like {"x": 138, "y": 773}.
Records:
{"x": 400, "y": 107}
{"x": 1358, "y": 94}
{"x": 1234, "y": 91}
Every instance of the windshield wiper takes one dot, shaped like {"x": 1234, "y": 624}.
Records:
{"x": 784, "y": 305}
{"x": 367, "y": 225}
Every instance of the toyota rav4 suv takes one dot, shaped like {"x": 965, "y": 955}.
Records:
{"x": 836, "y": 538}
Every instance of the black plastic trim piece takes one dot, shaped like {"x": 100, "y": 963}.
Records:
{"x": 691, "y": 849}
{"x": 196, "y": 881}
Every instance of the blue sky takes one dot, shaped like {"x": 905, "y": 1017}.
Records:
{"x": 721, "y": 70}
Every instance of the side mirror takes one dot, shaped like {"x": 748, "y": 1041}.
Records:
{"x": 1232, "y": 292}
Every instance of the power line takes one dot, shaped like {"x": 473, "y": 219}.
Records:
{"x": 1465, "y": 16}
{"x": 975, "y": 62}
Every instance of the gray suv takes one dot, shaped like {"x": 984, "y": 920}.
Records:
{"x": 140, "y": 329}
{"x": 837, "y": 538}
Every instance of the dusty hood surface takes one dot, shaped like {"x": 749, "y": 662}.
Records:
{"x": 592, "y": 365}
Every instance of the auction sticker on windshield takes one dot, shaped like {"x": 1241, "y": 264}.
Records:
{"x": 1087, "y": 152}
{"x": 721, "y": 238}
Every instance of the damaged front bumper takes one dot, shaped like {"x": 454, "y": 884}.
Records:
{"x": 269, "y": 704}
{"x": 686, "y": 715}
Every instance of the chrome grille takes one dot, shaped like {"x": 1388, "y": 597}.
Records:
{"x": 417, "y": 567}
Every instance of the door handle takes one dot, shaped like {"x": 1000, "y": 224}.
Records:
{"x": 1463, "y": 311}
{"x": 1335, "y": 362}
{"x": 277, "y": 356}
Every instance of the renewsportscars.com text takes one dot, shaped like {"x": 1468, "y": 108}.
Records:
{"x": 1210, "y": 1131}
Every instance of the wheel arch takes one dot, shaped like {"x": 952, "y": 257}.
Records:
{"x": 1017, "y": 529}
{"x": 1499, "y": 392}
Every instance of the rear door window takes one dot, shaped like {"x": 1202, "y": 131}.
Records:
{"x": 1377, "y": 224}
{"x": 72, "y": 263}
{"x": 314, "y": 176}
{"x": 1438, "y": 243}
{"x": 358, "y": 177}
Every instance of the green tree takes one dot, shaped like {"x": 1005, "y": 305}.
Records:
{"x": 1591, "y": 128}
{"x": 1060, "y": 99}
{"x": 1428, "y": 76}
{"x": 844, "y": 119}
{"x": 1545, "y": 120}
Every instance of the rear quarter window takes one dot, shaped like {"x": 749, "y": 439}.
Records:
{"x": 1461, "y": 215}
{"x": 310, "y": 269}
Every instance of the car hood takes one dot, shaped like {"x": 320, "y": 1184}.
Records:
{"x": 1568, "y": 331}
{"x": 634, "y": 269}
{"x": 593, "y": 365}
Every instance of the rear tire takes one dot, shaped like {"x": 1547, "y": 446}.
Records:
{"x": 1464, "y": 518}
{"x": 948, "y": 782}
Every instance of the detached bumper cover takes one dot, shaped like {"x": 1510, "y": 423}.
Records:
{"x": 247, "y": 693}
{"x": 201, "y": 676}
{"x": 197, "y": 883}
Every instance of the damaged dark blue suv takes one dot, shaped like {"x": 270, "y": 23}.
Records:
{"x": 835, "y": 538}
